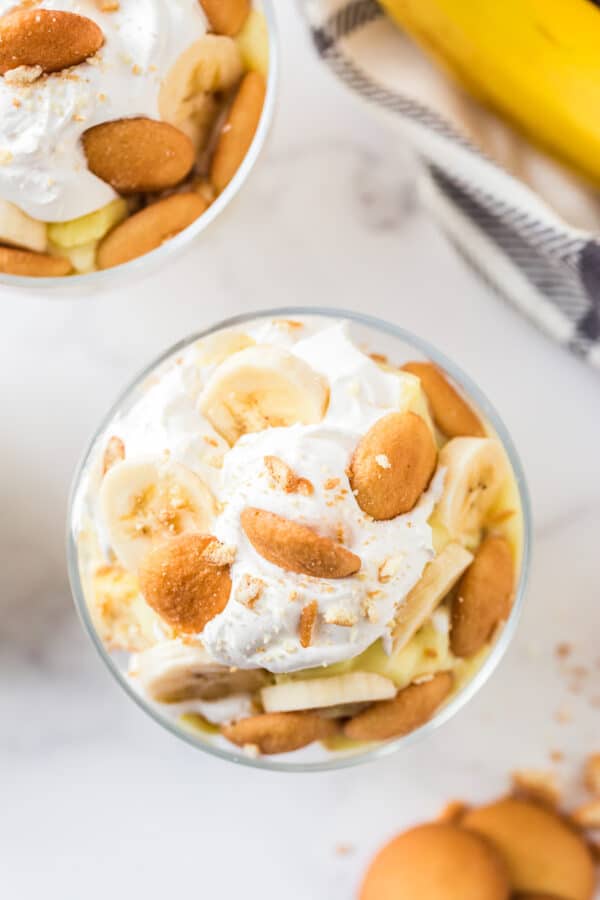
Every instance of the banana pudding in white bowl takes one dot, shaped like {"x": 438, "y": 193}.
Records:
{"x": 300, "y": 539}
{"x": 126, "y": 128}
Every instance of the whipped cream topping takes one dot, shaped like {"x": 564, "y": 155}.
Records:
{"x": 354, "y": 611}
{"x": 42, "y": 165}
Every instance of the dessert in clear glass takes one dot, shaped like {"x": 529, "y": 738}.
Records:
{"x": 300, "y": 538}
{"x": 126, "y": 126}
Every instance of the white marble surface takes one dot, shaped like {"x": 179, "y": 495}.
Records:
{"x": 96, "y": 801}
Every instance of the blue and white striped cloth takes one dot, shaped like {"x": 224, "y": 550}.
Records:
{"x": 547, "y": 268}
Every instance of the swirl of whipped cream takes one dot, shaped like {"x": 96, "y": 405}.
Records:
{"x": 42, "y": 165}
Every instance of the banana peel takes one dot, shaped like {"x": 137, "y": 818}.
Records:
{"x": 534, "y": 62}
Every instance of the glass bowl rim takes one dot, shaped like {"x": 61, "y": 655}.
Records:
{"x": 119, "y": 276}
{"x": 464, "y": 695}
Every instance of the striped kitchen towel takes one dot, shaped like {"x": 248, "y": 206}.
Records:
{"x": 545, "y": 262}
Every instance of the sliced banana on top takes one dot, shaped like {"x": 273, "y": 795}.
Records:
{"x": 215, "y": 348}
{"x": 262, "y": 387}
{"x": 476, "y": 469}
{"x": 209, "y": 65}
{"x": 173, "y": 671}
{"x": 143, "y": 504}
{"x": 335, "y": 691}
{"x": 438, "y": 579}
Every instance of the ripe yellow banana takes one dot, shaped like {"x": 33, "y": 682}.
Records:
{"x": 535, "y": 62}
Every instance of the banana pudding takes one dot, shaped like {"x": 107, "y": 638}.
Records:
{"x": 121, "y": 123}
{"x": 295, "y": 541}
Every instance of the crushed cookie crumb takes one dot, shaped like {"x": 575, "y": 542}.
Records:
{"x": 537, "y": 785}
{"x": 587, "y": 815}
{"x": 23, "y": 74}
{"x": 249, "y": 590}
{"x": 331, "y": 484}
{"x": 563, "y": 650}
{"x": 290, "y": 324}
{"x": 114, "y": 453}
{"x": 219, "y": 554}
{"x": 390, "y": 568}
{"x": 591, "y": 773}
{"x": 379, "y": 358}
{"x": 339, "y": 616}
{"x": 452, "y": 812}
{"x": 308, "y": 618}
{"x": 556, "y": 756}
{"x": 368, "y": 608}
{"x": 285, "y": 479}
{"x": 563, "y": 716}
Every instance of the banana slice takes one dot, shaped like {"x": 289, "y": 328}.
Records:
{"x": 174, "y": 671}
{"x": 253, "y": 42}
{"x": 215, "y": 348}
{"x": 437, "y": 580}
{"x": 83, "y": 258}
{"x": 86, "y": 229}
{"x": 19, "y": 229}
{"x": 415, "y": 398}
{"x": 476, "y": 469}
{"x": 262, "y": 387}
{"x": 318, "y": 693}
{"x": 143, "y": 504}
{"x": 211, "y": 64}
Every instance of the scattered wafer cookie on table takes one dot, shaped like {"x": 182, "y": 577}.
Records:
{"x": 436, "y": 862}
{"x": 540, "y": 853}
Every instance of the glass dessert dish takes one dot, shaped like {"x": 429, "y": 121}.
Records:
{"x": 300, "y": 539}
{"x": 128, "y": 127}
